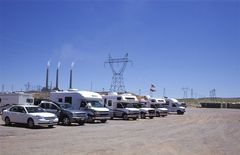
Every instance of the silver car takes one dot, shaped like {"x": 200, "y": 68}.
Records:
{"x": 28, "y": 114}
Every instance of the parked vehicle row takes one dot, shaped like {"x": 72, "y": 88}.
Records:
{"x": 73, "y": 106}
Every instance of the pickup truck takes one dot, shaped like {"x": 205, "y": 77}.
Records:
{"x": 65, "y": 114}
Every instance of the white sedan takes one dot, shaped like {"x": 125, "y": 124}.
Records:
{"x": 30, "y": 115}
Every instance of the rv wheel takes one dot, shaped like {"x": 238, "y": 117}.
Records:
{"x": 90, "y": 119}
{"x": 142, "y": 116}
{"x": 7, "y": 121}
{"x": 103, "y": 121}
{"x": 81, "y": 123}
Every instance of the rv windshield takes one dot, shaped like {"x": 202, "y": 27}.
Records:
{"x": 128, "y": 105}
{"x": 95, "y": 104}
{"x": 34, "y": 109}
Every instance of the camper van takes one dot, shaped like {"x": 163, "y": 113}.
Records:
{"x": 173, "y": 105}
{"x": 121, "y": 105}
{"x": 15, "y": 98}
{"x": 156, "y": 103}
{"x": 88, "y": 101}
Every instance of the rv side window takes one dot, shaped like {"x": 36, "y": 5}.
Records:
{"x": 60, "y": 100}
{"x": 109, "y": 103}
{"x": 167, "y": 102}
{"x": 119, "y": 98}
{"x": 29, "y": 100}
{"x": 83, "y": 104}
{"x": 0, "y": 100}
{"x": 68, "y": 100}
{"x": 119, "y": 105}
{"x": 152, "y": 106}
{"x": 174, "y": 105}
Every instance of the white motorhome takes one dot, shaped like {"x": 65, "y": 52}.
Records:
{"x": 156, "y": 104}
{"x": 87, "y": 101}
{"x": 15, "y": 98}
{"x": 121, "y": 105}
{"x": 173, "y": 105}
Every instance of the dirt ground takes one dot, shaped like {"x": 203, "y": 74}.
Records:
{"x": 198, "y": 132}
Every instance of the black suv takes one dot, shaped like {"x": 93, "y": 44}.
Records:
{"x": 65, "y": 115}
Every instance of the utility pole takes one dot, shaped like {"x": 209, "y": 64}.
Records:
{"x": 185, "y": 92}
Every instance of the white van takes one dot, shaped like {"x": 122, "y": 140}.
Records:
{"x": 173, "y": 105}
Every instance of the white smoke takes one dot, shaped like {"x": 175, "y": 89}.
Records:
{"x": 48, "y": 63}
{"x": 59, "y": 64}
{"x": 72, "y": 65}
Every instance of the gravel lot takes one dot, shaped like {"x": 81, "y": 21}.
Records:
{"x": 198, "y": 132}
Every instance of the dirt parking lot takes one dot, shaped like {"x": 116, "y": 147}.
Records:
{"x": 198, "y": 132}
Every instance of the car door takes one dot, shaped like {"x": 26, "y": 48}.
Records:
{"x": 21, "y": 115}
{"x": 119, "y": 110}
{"x": 54, "y": 109}
{"x": 13, "y": 114}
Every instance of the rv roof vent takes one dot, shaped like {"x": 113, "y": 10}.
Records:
{"x": 112, "y": 93}
{"x": 72, "y": 89}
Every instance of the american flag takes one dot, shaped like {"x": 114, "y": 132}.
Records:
{"x": 152, "y": 88}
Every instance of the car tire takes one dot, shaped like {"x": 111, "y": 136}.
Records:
{"x": 103, "y": 121}
{"x": 125, "y": 116}
{"x": 81, "y": 122}
{"x": 66, "y": 121}
{"x": 7, "y": 121}
{"x": 90, "y": 119}
{"x": 30, "y": 123}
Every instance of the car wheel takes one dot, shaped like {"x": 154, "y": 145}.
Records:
{"x": 7, "y": 121}
{"x": 103, "y": 121}
{"x": 142, "y": 115}
{"x": 31, "y": 123}
{"x": 90, "y": 119}
{"x": 81, "y": 122}
{"x": 125, "y": 116}
{"x": 66, "y": 121}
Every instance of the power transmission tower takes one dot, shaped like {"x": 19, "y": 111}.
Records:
{"x": 117, "y": 84}
{"x": 185, "y": 92}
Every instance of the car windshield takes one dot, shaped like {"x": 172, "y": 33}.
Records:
{"x": 95, "y": 104}
{"x": 34, "y": 109}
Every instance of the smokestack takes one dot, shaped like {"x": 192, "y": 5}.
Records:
{"x": 58, "y": 66}
{"x": 70, "y": 84}
{"x": 48, "y": 64}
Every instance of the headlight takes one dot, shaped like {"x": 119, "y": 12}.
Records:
{"x": 40, "y": 117}
{"x": 97, "y": 112}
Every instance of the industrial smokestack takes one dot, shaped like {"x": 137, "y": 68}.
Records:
{"x": 46, "y": 86}
{"x": 48, "y": 65}
{"x": 58, "y": 66}
{"x": 70, "y": 84}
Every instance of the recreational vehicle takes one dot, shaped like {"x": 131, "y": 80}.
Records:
{"x": 18, "y": 98}
{"x": 88, "y": 101}
{"x": 121, "y": 105}
{"x": 173, "y": 105}
{"x": 155, "y": 103}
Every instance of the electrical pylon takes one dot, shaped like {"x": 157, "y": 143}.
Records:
{"x": 117, "y": 84}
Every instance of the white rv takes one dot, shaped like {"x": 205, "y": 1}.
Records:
{"x": 156, "y": 104}
{"x": 121, "y": 105}
{"x": 9, "y": 99}
{"x": 87, "y": 101}
{"x": 173, "y": 105}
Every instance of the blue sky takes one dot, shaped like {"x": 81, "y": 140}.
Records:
{"x": 173, "y": 44}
